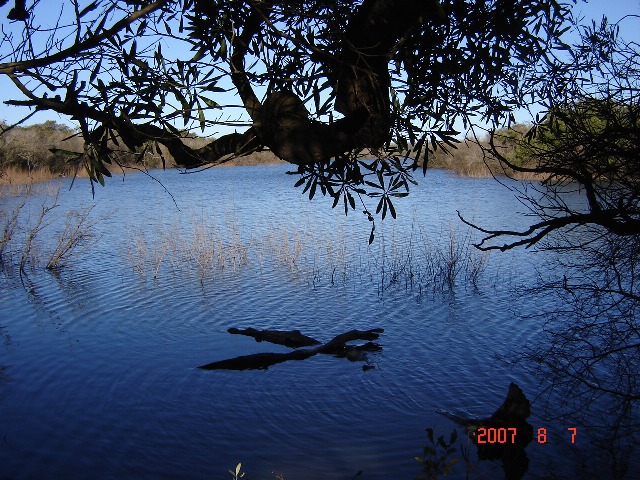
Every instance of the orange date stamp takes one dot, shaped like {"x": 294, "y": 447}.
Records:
{"x": 492, "y": 435}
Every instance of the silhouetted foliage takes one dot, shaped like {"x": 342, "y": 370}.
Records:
{"x": 586, "y": 148}
{"x": 319, "y": 81}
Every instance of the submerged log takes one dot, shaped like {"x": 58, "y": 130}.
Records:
{"x": 288, "y": 338}
{"x": 504, "y": 435}
{"x": 336, "y": 346}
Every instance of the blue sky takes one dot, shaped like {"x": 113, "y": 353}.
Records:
{"x": 615, "y": 10}
{"x": 625, "y": 12}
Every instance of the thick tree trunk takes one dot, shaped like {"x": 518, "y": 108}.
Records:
{"x": 360, "y": 73}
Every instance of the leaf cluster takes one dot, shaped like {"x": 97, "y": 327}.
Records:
{"x": 436, "y": 459}
{"x": 345, "y": 179}
{"x": 130, "y": 72}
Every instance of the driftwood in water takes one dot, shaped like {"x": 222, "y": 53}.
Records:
{"x": 338, "y": 343}
{"x": 504, "y": 435}
{"x": 336, "y": 346}
{"x": 288, "y": 338}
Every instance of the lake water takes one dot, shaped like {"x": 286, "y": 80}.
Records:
{"x": 99, "y": 376}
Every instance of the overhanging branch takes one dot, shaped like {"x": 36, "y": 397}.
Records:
{"x": 609, "y": 219}
{"x": 77, "y": 48}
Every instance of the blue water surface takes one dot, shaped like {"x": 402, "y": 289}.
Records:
{"x": 99, "y": 359}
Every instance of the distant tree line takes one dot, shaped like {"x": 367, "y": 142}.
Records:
{"x": 29, "y": 148}
{"x": 50, "y": 146}
{"x": 472, "y": 156}
{"x": 57, "y": 148}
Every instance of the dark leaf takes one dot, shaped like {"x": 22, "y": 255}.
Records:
{"x": 352, "y": 201}
{"x": 391, "y": 208}
{"x": 430, "y": 434}
{"x": 68, "y": 153}
{"x": 210, "y": 103}
{"x": 336, "y": 199}
{"x": 312, "y": 192}
{"x": 201, "y": 117}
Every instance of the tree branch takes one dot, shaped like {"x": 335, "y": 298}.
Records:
{"x": 77, "y": 48}
{"x": 240, "y": 45}
{"x": 605, "y": 218}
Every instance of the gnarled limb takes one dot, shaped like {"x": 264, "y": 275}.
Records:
{"x": 282, "y": 124}
{"x": 444, "y": 60}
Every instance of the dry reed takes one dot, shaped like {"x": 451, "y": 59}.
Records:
{"x": 74, "y": 238}
{"x": 9, "y": 227}
{"x": 396, "y": 259}
{"x": 12, "y": 176}
{"x": 25, "y": 226}
{"x": 204, "y": 249}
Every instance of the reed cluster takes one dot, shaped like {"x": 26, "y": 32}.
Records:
{"x": 32, "y": 233}
{"x": 206, "y": 249}
{"x": 198, "y": 247}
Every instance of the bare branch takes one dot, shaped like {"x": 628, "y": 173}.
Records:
{"x": 75, "y": 50}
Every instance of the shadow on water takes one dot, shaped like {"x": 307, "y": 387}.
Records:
{"x": 588, "y": 358}
{"x": 503, "y": 437}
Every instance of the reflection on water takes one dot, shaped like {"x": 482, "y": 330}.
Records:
{"x": 102, "y": 355}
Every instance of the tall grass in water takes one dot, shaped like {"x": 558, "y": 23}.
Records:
{"x": 9, "y": 224}
{"x": 397, "y": 258}
{"x": 198, "y": 247}
{"x": 447, "y": 262}
{"x": 423, "y": 259}
{"x": 31, "y": 236}
{"x": 214, "y": 248}
{"x": 29, "y": 253}
{"x": 76, "y": 236}
{"x": 283, "y": 246}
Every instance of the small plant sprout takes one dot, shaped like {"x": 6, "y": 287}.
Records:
{"x": 238, "y": 472}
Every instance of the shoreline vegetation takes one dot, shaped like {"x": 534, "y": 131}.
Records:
{"x": 39, "y": 153}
